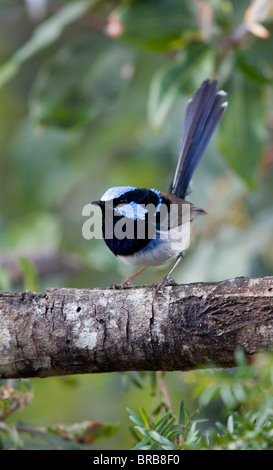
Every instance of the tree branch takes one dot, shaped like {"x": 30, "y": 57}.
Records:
{"x": 72, "y": 331}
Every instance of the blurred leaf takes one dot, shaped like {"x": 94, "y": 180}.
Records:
{"x": 8, "y": 70}
{"x": 44, "y": 35}
{"x": 64, "y": 103}
{"x": 242, "y": 131}
{"x": 5, "y": 283}
{"x": 185, "y": 73}
{"x": 15, "y": 438}
{"x": 157, "y": 24}
{"x": 45, "y": 167}
{"x": 50, "y": 30}
{"x": 240, "y": 358}
{"x": 95, "y": 74}
{"x": 30, "y": 275}
{"x": 86, "y": 432}
{"x": 230, "y": 424}
{"x": 255, "y": 68}
{"x": 262, "y": 49}
{"x": 135, "y": 378}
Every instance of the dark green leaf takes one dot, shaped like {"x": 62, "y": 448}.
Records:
{"x": 142, "y": 444}
{"x": 182, "y": 414}
{"x": 255, "y": 68}
{"x": 161, "y": 422}
{"x": 157, "y": 24}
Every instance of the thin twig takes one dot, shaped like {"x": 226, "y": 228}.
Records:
{"x": 166, "y": 394}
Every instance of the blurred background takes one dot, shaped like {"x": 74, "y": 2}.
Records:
{"x": 93, "y": 95}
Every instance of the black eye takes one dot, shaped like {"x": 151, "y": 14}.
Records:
{"x": 122, "y": 200}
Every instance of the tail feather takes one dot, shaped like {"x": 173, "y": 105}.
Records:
{"x": 202, "y": 116}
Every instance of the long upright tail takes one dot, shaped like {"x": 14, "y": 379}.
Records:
{"x": 203, "y": 114}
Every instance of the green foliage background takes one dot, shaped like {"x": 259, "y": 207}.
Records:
{"x": 93, "y": 95}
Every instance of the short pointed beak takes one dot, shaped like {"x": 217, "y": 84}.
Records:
{"x": 98, "y": 203}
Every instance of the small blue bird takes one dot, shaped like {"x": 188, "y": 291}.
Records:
{"x": 148, "y": 227}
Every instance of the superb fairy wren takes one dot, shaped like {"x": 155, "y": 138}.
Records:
{"x": 148, "y": 227}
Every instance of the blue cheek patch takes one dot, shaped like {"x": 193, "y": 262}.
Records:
{"x": 132, "y": 211}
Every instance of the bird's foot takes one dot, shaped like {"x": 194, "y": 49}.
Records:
{"x": 166, "y": 281}
{"x": 128, "y": 281}
{"x": 123, "y": 285}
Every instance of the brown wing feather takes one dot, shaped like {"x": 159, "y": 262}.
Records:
{"x": 180, "y": 216}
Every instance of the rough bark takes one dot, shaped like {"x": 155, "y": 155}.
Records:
{"x": 72, "y": 331}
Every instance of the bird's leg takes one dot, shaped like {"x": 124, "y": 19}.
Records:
{"x": 130, "y": 279}
{"x": 127, "y": 281}
{"x": 167, "y": 278}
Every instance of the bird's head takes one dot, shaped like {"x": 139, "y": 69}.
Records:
{"x": 128, "y": 201}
